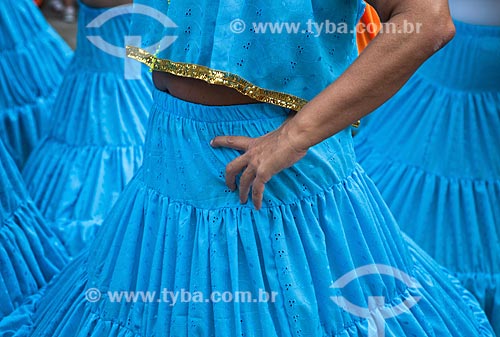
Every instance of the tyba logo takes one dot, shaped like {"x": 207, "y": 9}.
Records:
{"x": 377, "y": 311}
{"x": 132, "y": 68}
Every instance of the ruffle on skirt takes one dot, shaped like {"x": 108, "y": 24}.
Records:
{"x": 321, "y": 219}
{"x": 21, "y": 21}
{"x": 468, "y": 248}
{"x": 20, "y": 321}
{"x": 437, "y": 272}
{"x": 92, "y": 151}
{"x": 30, "y": 74}
{"x": 30, "y": 254}
{"x": 433, "y": 151}
{"x": 213, "y": 255}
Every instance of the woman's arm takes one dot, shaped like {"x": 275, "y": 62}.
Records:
{"x": 382, "y": 69}
{"x": 379, "y": 72}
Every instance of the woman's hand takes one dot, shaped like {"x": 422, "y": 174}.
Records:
{"x": 382, "y": 69}
{"x": 264, "y": 157}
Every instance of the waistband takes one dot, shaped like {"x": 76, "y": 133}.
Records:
{"x": 216, "y": 114}
{"x": 179, "y": 162}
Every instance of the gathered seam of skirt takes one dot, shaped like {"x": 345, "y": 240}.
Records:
{"x": 159, "y": 108}
{"x": 428, "y": 81}
{"x": 90, "y": 69}
{"x": 461, "y": 275}
{"x": 40, "y": 36}
{"x": 398, "y": 297}
{"x": 22, "y": 204}
{"x": 91, "y": 146}
{"x": 36, "y": 100}
{"x": 354, "y": 322}
{"x": 324, "y": 191}
{"x": 402, "y": 295}
{"x": 391, "y": 162}
{"x": 56, "y": 221}
{"x": 222, "y": 122}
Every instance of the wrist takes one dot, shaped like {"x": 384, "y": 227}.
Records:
{"x": 297, "y": 136}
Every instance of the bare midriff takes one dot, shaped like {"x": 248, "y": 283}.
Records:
{"x": 199, "y": 91}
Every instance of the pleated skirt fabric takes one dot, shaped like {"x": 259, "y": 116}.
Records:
{"x": 33, "y": 58}
{"x": 30, "y": 253}
{"x": 433, "y": 150}
{"x": 323, "y": 246}
{"x": 95, "y": 143}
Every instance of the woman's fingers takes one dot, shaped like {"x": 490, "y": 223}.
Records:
{"x": 249, "y": 178}
{"x": 246, "y": 181}
{"x": 263, "y": 157}
{"x": 258, "y": 192}
{"x": 240, "y": 143}
{"x": 233, "y": 169}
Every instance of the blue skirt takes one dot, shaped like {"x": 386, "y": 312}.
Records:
{"x": 95, "y": 143}
{"x": 32, "y": 60}
{"x": 30, "y": 254}
{"x": 323, "y": 257}
{"x": 434, "y": 152}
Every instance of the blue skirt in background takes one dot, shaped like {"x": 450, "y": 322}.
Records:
{"x": 30, "y": 254}
{"x": 33, "y": 58}
{"x": 433, "y": 150}
{"x": 95, "y": 141}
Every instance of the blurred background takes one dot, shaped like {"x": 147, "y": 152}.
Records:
{"x": 57, "y": 20}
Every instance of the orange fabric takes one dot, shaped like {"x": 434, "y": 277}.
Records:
{"x": 368, "y": 27}
{"x": 38, "y": 2}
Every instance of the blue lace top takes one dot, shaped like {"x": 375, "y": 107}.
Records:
{"x": 279, "y": 52}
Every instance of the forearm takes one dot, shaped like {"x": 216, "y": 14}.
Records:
{"x": 373, "y": 78}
